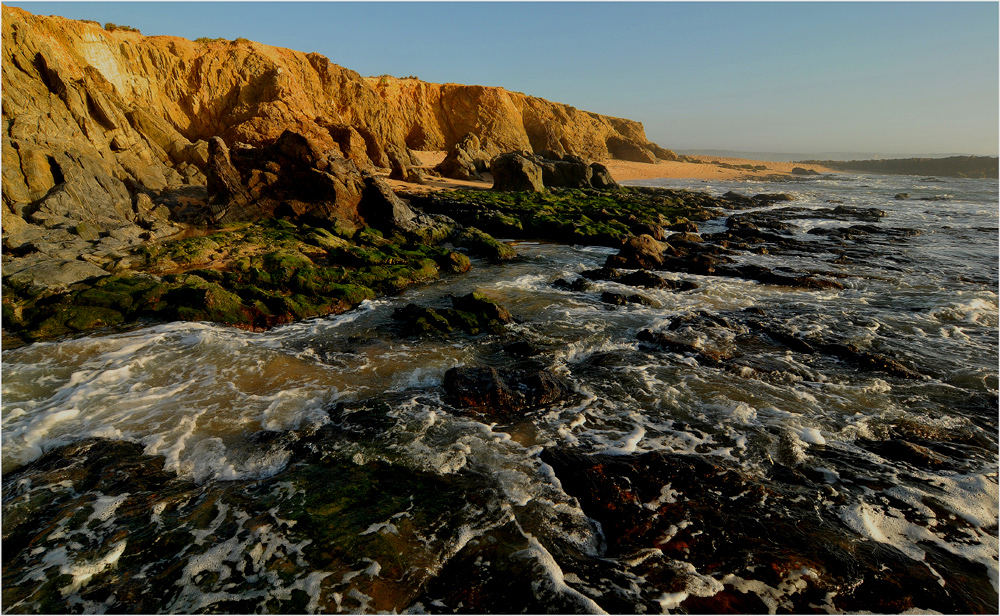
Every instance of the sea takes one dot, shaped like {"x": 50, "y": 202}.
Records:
{"x": 782, "y": 481}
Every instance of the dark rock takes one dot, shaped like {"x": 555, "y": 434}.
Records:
{"x": 772, "y": 197}
{"x": 381, "y": 208}
{"x": 515, "y": 172}
{"x": 867, "y": 360}
{"x": 482, "y": 306}
{"x": 601, "y": 178}
{"x": 483, "y": 245}
{"x": 804, "y": 171}
{"x": 578, "y": 284}
{"x": 620, "y": 299}
{"x": 738, "y": 201}
{"x": 292, "y": 177}
{"x": 649, "y": 280}
{"x": 902, "y": 196}
{"x": 405, "y": 173}
{"x": 642, "y": 252}
{"x": 502, "y": 395}
{"x": 684, "y": 226}
{"x": 654, "y": 231}
{"x": 564, "y": 173}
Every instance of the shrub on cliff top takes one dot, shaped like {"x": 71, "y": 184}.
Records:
{"x": 111, "y": 27}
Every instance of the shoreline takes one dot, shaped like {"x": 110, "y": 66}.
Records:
{"x": 691, "y": 167}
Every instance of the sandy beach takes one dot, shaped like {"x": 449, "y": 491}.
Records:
{"x": 695, "y": 167}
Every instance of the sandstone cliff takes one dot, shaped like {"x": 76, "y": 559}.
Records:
{"x": 99, "y": 123}
{"x": 437, "y": 116}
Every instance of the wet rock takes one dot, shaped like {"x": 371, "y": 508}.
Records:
{"x": 578, "y": 284}
{"x": 642, "y": 252}
{"x": 767, "y": 198}
{"x": 803, "y": 171}
{"x": 902, "y": 196}
{"x": 649, "y": 280}
{"x": 501, "y": 394}
{"x": 866, "y": 360}
{"x": 483, "y": 245}
{"x": 482, "y": 306}
{"x": 322, "y": 512}
{"x": 474, "y": 314}
{"x": 677, "y": 344}
{"x": 620, "y": 299}
{"x": 661, "y": 504}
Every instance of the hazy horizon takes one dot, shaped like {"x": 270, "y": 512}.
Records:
{"x": 900, "y": 77}
{"x": 782, "y": 157}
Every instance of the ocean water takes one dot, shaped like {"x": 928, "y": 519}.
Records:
{"x": 891, "y": 481}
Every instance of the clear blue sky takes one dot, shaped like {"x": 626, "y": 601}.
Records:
{"x": 809, "y": 77}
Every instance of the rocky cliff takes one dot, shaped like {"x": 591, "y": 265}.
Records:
{"x": 95, "y": 117}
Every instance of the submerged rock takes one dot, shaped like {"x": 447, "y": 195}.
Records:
{"x": 502, "y": 395}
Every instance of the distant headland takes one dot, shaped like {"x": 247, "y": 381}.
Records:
{"x": 953, "y": 166}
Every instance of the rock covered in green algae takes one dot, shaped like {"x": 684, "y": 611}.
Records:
{"x": 254, "y": 276}
{"x": 474, "y": 314}
{"x": 577, "y": 216}
{"x": 483, "y": 245}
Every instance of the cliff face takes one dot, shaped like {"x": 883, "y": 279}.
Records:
{"x": 111, "y": 112}
{"x": 436, "y": 116}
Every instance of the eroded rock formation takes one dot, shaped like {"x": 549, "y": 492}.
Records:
{"x": 99, "y": 109}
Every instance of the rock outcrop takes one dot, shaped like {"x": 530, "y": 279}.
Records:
{"x": 465, "y": 161}
{"x": 520, "y": 171}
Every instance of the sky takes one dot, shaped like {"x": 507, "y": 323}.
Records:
{"x": 810, "y": 77}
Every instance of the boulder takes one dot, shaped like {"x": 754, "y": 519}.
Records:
{"x": 381, "y": 208}
{"x": 566, "y": 173}
{"x": 465, "y": 161}
{"x": 601, "y": 178}
{"x": 514, "y": 171}
{"x": 803, "y": 171}
{"x": 642, "y": 252}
